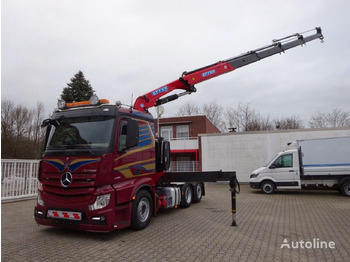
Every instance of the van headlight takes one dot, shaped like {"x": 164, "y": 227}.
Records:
{"x": 254, "y": 175}
{"x": 101, "y": 202}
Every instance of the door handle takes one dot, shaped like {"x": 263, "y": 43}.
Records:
{"x": 291, "y": 171}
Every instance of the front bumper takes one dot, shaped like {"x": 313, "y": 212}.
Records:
{"x": 103, "y": 221}
{"x": 255, "y": 185}
{"x": 77, "y": 215}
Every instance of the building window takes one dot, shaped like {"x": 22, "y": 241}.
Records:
{"x": 166, "y": 132}
{"x": 182, "y": 131}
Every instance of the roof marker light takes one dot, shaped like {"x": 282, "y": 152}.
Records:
{"x": 61, "y": 104}
{"x": 94, "y": 100}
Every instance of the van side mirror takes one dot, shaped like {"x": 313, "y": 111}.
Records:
{"x": 132, "y": 136}
{"x": 272, "y": 166}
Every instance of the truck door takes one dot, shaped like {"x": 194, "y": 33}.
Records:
{"x": 286, "y": 171}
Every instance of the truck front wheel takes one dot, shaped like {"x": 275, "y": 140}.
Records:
{"x": 141, "y": 210}
{"x": 268, "y": 187}
{"x": 345, "y": 188}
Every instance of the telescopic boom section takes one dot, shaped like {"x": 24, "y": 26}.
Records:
{"x": 188, "y": 79}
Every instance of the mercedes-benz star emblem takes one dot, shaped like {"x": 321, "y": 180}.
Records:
{"x": 66, "y": 179}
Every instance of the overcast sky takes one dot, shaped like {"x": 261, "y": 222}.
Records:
{"x": 129, "y": 48}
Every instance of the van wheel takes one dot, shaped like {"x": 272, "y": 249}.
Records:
{"x": 345, "y": 188}
{"x": 268, "y": 187}
{"x": 197, "y": 193}
{"x": 186, "y": 198}
{"x": 141, "y": 210}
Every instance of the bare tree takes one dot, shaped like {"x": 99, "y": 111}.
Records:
{"x": 7, "y": 130}
{"x": 317, "y": 120}
{"x": 6, "y": 118}
{"x": 293, "y": 122}
{"x": 244, "y": 118}
{"x": 20, "y": 130}
{"x": 21, "y": 120}
{"x": 233, "y": 119}
{"x": 265, "y": 123}
{"x": 338, "y": 118}
{"x": 335, "y": 118}
{"x": 188, "y": 109}
{"x": 36, "y": 132}
{"x": 214, "y": 112}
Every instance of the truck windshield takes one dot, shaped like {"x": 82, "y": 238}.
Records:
{"x": 93, "y": 133}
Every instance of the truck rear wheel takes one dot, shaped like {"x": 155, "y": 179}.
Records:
{"x": 186, "y": 198}
{"x": 197, "y": 193}
{"x": 141, "y": 210}
{"x": 268, "y": 187}
{"x": 345, "y": 188}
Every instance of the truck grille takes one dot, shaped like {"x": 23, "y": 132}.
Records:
{"x": 80, "y": 189}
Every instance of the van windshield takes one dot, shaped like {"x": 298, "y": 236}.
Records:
{"x": 91, "y": 133}
{"x": 268, "y": 163}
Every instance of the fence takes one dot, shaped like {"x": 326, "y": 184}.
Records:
{"x": 183, "y": 166}
{"x": 18, "y": 179}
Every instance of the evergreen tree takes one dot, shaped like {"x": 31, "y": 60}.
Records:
{"x": 79, "y": 89}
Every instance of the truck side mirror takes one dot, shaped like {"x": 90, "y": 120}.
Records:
{"x": 132, "y": 136}
{"x": 162, "y": 155}
{"x": 45, "y": 123}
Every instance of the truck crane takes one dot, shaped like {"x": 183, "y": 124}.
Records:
{"x": 189, "y": 79}
{"x": 104, "y": 169}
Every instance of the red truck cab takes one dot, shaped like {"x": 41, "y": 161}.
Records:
{"x": 96, "y": 160}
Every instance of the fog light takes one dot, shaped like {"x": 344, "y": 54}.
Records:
{"x": 101, "y": 202}
{"x": 99, "y": 218}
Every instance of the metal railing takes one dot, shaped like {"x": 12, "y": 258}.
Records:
{"x": 183, "y": 166}
{"x": 184, "y": 143}
{"x": 18, "y": 179}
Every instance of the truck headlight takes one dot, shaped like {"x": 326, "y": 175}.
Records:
{"x": 101, "y": 202}
{"x": 254, "y": 175}
{"x": 39, "y": 200}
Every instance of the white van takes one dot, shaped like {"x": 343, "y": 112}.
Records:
{"x": 307, "y": 163}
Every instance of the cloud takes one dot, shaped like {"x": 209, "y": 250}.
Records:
{"x": 129, "y": 48}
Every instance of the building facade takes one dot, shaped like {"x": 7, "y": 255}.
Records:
{"x": 183, "y": 134}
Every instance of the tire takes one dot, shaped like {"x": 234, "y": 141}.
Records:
{"x": 345, "y": 188}
{"x": 141, "y": 210}
{"x": 268, "y": 187}
{"x": 186, "y": 196}
{"x": 197, "y": 193}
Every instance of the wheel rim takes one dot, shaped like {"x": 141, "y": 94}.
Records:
{"x": 199, "y": 191}
{"x": 143, "y": 209}
{"x": 268, "y": 188}
{"x": 188, "y": 195}
{"x": 347, "y": 189}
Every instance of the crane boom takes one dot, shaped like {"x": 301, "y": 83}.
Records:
{"x": 189, "y": 79}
